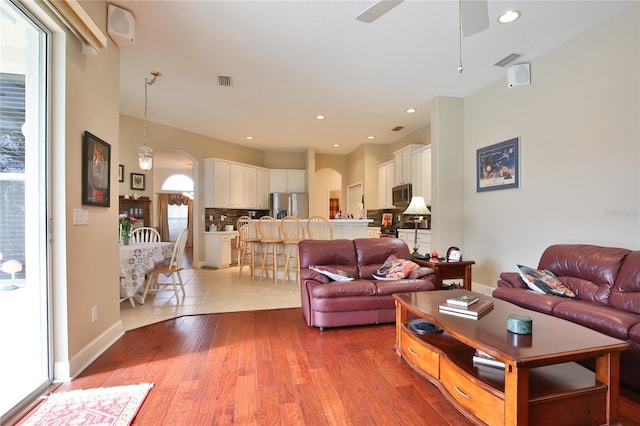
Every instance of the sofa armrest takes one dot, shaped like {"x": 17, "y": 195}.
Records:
{"x": 511, "y": 279}
{"x": 310, "y": 274}
{"x": 420, "y": 273}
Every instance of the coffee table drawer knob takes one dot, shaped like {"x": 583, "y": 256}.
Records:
{"x": 460, "y": 392}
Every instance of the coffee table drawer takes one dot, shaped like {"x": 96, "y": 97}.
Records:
{"x": 424, "y": 358}
{"x": 470, "y": 394}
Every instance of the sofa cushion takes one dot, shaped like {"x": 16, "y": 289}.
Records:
{"x": 528, "y": 299}
{"x": 396, "y": 269}
{"x": 605, "y": 319}
{"x": 372, "y": 252}
{"x": 625, "y": 294}
{"x": 403, "y": 286}
{"x": 332, "y": 273}
{"x": 634, "y": 335}
{"x": 596, "y": 267}
{"x": 344, "y": 289}
{"x": 543, "y": 281}
{"x": 338, "y": 254}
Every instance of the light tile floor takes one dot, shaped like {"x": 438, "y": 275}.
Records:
{"x": 212, "y": 291}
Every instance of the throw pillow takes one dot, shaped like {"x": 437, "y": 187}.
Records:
{"x": 395, "y": 270}
{"x": 543, "y": 281}
{"x": 334, "y": 274}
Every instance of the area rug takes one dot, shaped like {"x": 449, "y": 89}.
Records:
{"x": 101, "y": 406}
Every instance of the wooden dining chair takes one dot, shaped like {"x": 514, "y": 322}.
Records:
{"x": 171, "y": 269}
{"x": 272, "y": 243}
{"x": 293, "y": 233}
{"x": 144, "y": 234}
{"x": 319, "y": 228}
{"x": 248, "y": 244}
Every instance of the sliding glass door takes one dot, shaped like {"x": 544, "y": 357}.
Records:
{"x": 24, "y": 314}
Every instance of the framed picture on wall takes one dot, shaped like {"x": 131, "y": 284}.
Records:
{"x": 120, "y": 173}
{"x": 498, "y": 166}
{"x": 137, "y": 181}
{"x": 96, "y": 171}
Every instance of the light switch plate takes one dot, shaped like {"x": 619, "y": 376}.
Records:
{"x": 80, "y": 217}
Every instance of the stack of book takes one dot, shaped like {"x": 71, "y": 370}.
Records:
{"x": 483, "y": 358}
{"x": 466, "y": 306}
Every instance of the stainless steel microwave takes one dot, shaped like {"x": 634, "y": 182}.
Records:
{"x": 401, "y": 195}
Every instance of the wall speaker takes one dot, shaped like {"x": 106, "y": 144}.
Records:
{"x": 120, "y": 26}
{"x": 519, "y": 75}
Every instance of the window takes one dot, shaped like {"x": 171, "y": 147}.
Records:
{"x": 25, "y": 368}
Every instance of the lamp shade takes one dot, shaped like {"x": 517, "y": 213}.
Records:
{"x": 145, "y": 157}
{"x": 417, "y": 207}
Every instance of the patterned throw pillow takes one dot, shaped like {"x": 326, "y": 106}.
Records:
{"x": 334, "y": 274}
{"x": 395, "y": 269}
{"x": 543, "y": 281}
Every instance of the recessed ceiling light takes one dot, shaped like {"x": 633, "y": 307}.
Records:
{"x": 320, "y": 117}
{"x": 248, "y": 137}
{"x": 509, "y": 16}
{"x": 411, "y": 110}
{"x": 336, "y": 145}
{"x": 371, "y": 137}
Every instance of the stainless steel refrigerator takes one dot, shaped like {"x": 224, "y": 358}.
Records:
{"x": 283, "y": 204}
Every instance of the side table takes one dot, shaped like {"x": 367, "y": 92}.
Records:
{"x": 448, "y": 270}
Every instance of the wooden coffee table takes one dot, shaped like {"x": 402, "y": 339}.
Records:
{"x": 541, "y": 383}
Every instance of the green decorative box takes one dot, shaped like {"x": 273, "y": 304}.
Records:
{"x": 519, "y": 324}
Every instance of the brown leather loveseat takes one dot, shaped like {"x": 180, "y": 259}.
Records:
{"x": 607, "y": 283}
{"x": 364, "y": 300}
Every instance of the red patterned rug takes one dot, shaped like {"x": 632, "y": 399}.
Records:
{"x": 101, "y": 406}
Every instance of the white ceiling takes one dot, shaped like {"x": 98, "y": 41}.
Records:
{"x": 292, "y": 60}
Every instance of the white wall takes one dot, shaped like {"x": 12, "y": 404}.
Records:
{"x": 578, "y": 129}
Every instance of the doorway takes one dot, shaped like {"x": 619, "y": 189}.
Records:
{"x": 355, "y": 200}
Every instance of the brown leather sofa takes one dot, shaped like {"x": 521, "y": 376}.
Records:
{"x": 607, "y": 282}
{"x": 364, "y": 300}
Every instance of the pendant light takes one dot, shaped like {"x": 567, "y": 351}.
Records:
{"x": 145, "y": 152}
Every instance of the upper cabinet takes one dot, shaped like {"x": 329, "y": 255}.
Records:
{"x": 287, "y": 180}
{"x": 385, "y": 183}
{"x": 403, "y": 163}
{"x": 421, "y": 173}
{"x": 235, "y": 185}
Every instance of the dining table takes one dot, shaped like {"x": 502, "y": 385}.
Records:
{"x": 136, "y": 261}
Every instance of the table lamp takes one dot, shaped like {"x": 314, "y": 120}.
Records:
{"x": 417, "y": 208}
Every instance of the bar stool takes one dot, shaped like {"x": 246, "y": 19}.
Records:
{"x": 293, "y": 233}
{"x": 248, "y": 244}
{"x": 271, "y": 239}
{"x": 319, "y": 228}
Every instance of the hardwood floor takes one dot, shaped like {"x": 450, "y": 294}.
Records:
{"x": 267, "y": 368}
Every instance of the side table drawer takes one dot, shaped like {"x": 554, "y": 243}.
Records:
{"x": 482, "y": 403}
{"x": 420, "y": 355}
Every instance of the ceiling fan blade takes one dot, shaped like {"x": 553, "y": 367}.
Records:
{"x": 475, "y": 16}
{"x": 377, "y": 10}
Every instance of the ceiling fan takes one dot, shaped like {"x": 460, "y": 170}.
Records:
{"x": 473, "y": 17}
{"x": 474, "y": 14}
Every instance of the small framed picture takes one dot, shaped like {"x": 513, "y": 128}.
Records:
{"x": 498, "y": 166}
{"x": 96, "y": 171}
{"x": 387, "y": 220}
{"x": 120, "y": 173}
{"x": 137, "y": 181}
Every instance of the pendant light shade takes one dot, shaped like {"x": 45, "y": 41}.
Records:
{"x": 145, "y": 152}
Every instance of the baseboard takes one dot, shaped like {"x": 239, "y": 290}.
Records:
{"x": 482, "y": 289}
{"x": 64, "y": 371}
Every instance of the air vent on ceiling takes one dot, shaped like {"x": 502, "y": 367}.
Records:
{"x": 225, "y": 80}
{"x": 507, "y": 59}
{"x": 397, "y": 128}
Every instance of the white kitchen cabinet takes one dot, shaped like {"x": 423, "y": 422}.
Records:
{"x": 373, "y": 232}
{"x": 216, "y": 183}
{"x": 236, "y": 185}
{"x": 403, "y": 163}
{"x": 287, "y": 180}
{"x": 250, "y": 193}
{"x": 421, "y": 173}
{"x": 262, "y": 191}
{"x": 217, "y": 248}
{"x": 424, "y": 239}
{"x": 385, "y": 183}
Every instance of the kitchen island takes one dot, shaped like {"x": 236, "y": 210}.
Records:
{"x": 349, "y": 228}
